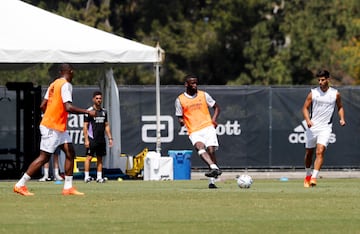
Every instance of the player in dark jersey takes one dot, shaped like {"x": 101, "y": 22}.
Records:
{"x": 95, "y": 129}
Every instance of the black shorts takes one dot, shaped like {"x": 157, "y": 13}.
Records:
{"x": 96, "y": 149}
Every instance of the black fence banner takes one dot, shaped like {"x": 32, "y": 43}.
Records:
{"x": 259, "y": 127}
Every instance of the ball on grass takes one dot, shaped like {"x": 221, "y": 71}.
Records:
{"x": 244, "y": 181}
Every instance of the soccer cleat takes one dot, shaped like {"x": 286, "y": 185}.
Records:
{"x": 58, "y": 178}
{"x": 100, "y": 180}
{"x": 213, "y": 173}
{"x": 88, "y": 180}
{"x": 313, "y": 182}
{"x": 22, "y": 191}
{"x": 71, "y": 191}
{"x": 44, "y": 179}
{"x": 307, "y": 181}
{"x": 212, "y": 186}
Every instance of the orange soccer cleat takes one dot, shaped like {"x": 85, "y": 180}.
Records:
{"x": 307, "y": 182}
{"x": 313, "y": 182}
{"x": 22, "y": 191}
{"x": 71, "y": 191}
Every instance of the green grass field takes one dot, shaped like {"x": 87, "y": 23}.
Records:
{"x": 269, "y": 206}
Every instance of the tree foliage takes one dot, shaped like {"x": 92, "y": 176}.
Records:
{"x": 234, "y": 42}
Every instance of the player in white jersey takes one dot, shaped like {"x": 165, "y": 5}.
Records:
{"x": 321, "y": 101}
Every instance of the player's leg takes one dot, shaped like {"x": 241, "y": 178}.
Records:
{"x": 208, "y": 159}
{"x": 48, "y": 144}
{"x": 20, "y": 186}
{"x": 211, "y": 152}
{"x": 199, "y": 141}
{"x": 87, "y": 177}
{"x": 46, "y": 173}
{"x": 309, "y": 152}
{"x": 38, "y": 163}
{"x": 321, "y": 144}
{"x": 100, "y": 152}
{"x": 89, "y": 155}
{"x": 99, "y": 168}
{"x": 319, "y": 160}
{"x": 204, "y": 155}
{"x": 310, "y": 145}
{"x": 308, "y": 162}
{"x": 211, "y": 144}
{"x": 69, "y": 151}
{"x": 56, "y": 165}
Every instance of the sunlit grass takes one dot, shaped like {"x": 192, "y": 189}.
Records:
{"x": 269, "y": 206}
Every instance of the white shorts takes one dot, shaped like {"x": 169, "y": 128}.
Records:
{"x": 317, "y": 136}
{"x": 51, "y": 139}
{"x": 206, "y": 135}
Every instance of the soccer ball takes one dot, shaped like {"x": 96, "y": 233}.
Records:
{"x": 244, "y": 181}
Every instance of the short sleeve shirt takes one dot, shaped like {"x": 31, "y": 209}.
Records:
{"x": 96, "y": 127}
{"x": 66, "y": 93}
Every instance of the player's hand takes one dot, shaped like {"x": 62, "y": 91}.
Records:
{"x": 342, "y": 122}
{"x": 309, "y": 124}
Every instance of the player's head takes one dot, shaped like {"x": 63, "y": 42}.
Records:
{"x": 97, "y": 98}
{"x": 66, "y": 70}
{"x": 191, "y": 82}
{"x": 96, "y": 93}
{"x": 323, "y": 79}
{"x": 323, "y": 73}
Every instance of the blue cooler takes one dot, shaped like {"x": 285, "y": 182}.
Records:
{"x": 182, "y": 164}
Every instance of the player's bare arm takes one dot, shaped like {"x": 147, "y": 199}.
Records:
{"x": 108, "y": 134}
{"x": 43, "y": 105}
{"x": 341, "y": 111}
{"x": 86, "y": 136}
{"x": 305, "y": 110}
{"x": 76, "y": 110}
{"x": 216, "y": 114}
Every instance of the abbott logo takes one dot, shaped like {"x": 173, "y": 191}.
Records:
{"x": 148, "y": 130}
{"x": 298, "y": 136}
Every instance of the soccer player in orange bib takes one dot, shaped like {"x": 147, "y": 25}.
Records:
{"x": 192, "y": 110}
{"x": 56, "y": 105}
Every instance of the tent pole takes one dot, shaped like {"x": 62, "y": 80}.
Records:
{"x": 158, "y": 133}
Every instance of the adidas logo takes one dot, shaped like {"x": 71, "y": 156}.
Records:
{"x": 298, "y": 136}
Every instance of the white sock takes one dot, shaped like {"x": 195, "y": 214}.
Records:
{"x": 308, "y": 171}
{"x": 87, "y": 175}
{"x": 213, "y": 166}
{"x": 56, "y": 172}
{"x": 211, "y": 180}
{"x": 25, "y": 178}
{"x": 315, "y": 174}
{"x": 68, "y": 182}
{"x": 99, "y": 175}
{"x": 46, "y": 172}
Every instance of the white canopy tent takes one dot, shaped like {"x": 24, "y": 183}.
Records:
{"x": 32, "y": 35}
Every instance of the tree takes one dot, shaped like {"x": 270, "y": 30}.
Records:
{"x": 232, "y": 42}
